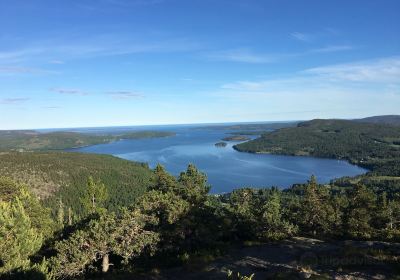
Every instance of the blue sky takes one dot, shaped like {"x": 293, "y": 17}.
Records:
{"x": 79, "y": 63}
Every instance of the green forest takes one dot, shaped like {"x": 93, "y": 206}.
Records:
{"x": 374, "y": 146}
{"x": 30, "y": 140}
{"x": 175, "y": 222}
{"x": 78, "y": 216}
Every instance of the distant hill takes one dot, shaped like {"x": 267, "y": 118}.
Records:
{"x": 371, "y": 145}
{"x": 387, "y": 119}
{"x": 30, "y": 140}
{"x": 54, "y": 175}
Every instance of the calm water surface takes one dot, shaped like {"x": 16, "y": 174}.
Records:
{"x": 226, "y": 168}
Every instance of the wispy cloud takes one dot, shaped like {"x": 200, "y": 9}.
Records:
{"x": 353, "y": 89}
{"x": 130, "y": 3}
{"x": 14, "y": 56}
{"x": 125, "y": 94}
{"x": 248, "y": 56}
{"x": 51, "y": 107}
{"x": 380, "y": 75}
{"x": 384, "y": 70}
{"x": 243, "y": 55}
{"x": 11, "y": 101}
{"x": 95, "y": 46}
{"x": 69, "y": 91}
{"x": 23, "y": 70}
{"x": 333, "y": 48}
{"x": 56, "y": 62}
{"x": 101, "y": 4}
{"x": 304, "y": 37}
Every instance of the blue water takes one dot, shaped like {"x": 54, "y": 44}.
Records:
{"x": 226, "y": 168}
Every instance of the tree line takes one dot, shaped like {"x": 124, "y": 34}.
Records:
{"x": 175, "y": 221}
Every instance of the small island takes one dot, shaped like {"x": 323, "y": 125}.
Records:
{"x": 221, "y": 144}
{"x": 236, "y": 138}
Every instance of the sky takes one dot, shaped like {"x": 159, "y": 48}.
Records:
{"x": 86, "y": 63}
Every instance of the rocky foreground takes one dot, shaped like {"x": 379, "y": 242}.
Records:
{"x": 297, "y": 258}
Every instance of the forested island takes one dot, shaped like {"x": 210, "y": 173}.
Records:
{"x": 78, "y": 216}
{"x": 236, "y": 138}
{"x": 221, "y": 144}
{"x": 30, "y": 140}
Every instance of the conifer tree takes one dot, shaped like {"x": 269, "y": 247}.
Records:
{"x": 273, "y": 226}
{"x": 60, "y": 213}
{"x": 70, "y": 214}
{"x": 163, "y": 181}
{"x": 94, "y": 197}
{"x": 316, "y": 213}
{"x": 194, "y": 186}
{"x": 124, "y": 236}
{"x": 360, "y": 213}
{"x": 18, "y": 238}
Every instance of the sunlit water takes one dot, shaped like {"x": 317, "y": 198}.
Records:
{"x": 226, "y": 168}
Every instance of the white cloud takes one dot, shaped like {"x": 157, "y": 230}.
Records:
{"x": 304, "y": 37}
{"x": 11, "y": 101}
{"x": 51, "y": 107}
{"x": 248, "y": 56}
{"x": 56, "y": 62}
{"x": 333, "y": 48}
{"x": 380, "y": 76}
{"x": 125, "y": 94}
{"x": 69, "y": 91}
{"x": 94, "y": 46}
{"x": 385, "y": 70}
{"x": 243, "y": 55}
{"x": 9, "y": 70}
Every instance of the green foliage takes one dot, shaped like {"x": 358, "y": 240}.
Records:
{"x": 38, "y": 214}
{"x": 163, "y": 181}
{"x": 123, "y": 235}
{"x": 273, "y": 225}
{"x": 177, "y": 221}
{"x": 193, "y": 185}
{"x": 239, "y": 276}
{"x": 369, "y": 145}
{"x": 30, "y": 140}
{"x": 9, "y": 189}
{"x": 57, "y": 174}
{"x": 94, "y": 197}
{"x": 19, "y": 239}
{"x": 360, "y": 213}
{"x": 316, "y": 212}
{"x": 60, "y": 213}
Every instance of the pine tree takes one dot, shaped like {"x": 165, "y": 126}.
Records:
{"x": 163, "y": 181}
{"x": 194, "y": 187}
{"x": 360, "y": 213}
{"x": 18, "y": 238}
{"x": 273, "y": 226}
{"x": 94, "y": 197}
{"x": 316, "y": 213}
{"x": 124, "y": 236}
{"x": 39, "y": 215}
{"x": 388, "y": 217}
{"x": 70, "y": 214}
{"x": 60, "y": 213}
{"x": 9, "y": 189}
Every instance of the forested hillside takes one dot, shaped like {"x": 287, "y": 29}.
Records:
{"x": 30, "y": 140}
{"x": 177, "y": 225}
{"x": 388, "y": 119}
{"x": 62, "y": 175}
{"x": 374, "y": 146}
{"x": 100, "y": 217}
